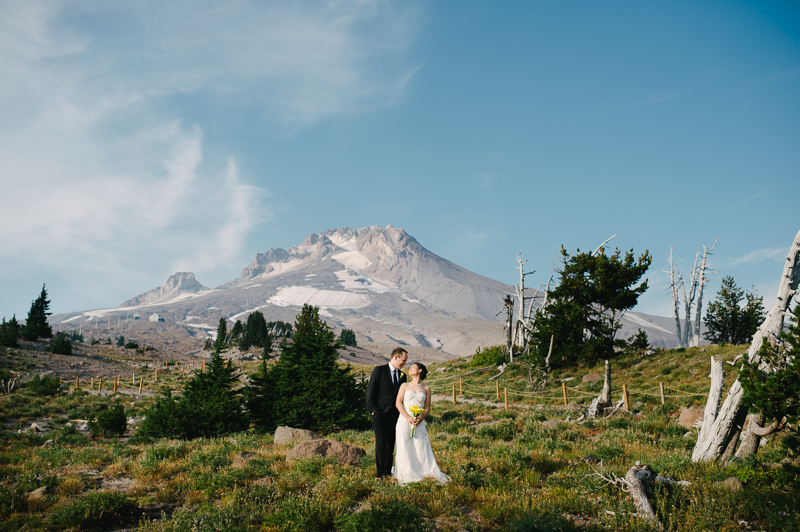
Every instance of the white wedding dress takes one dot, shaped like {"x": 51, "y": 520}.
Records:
{"x": 413, "y": 458}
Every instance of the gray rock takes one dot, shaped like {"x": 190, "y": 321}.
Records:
{"x": 265, "y": 482}
{"x": 551, "y": 423}
{"x": 346, "y": 454}
{"x": 49, "y": 443}
{"x": 689, "y": 417}
{"x": 592, "y": 377}
{"x": 289, "y": 435}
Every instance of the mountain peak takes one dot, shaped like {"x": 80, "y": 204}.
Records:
{"x": 177, "y": 284}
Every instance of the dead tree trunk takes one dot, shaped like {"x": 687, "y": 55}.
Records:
{"x": 509, "y": 306}
{"x": 702, "y": 278}
{"x": 522, "y": 325}
{"x": 673, "y": 284}
{"x": 602, "y": 401}
{"x": 718, "y": 440}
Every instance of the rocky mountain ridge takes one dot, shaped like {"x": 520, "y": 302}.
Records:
{"x": 380, "y": 282}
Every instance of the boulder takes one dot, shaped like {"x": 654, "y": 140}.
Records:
{"x": 592, "y": 377}
{"x": 346, "y": 454}
{"x": 289, "y": 435}
{"x": 690, "y": 416}
{"x": 243, "y": 458}
{"x": 265, "y": 482}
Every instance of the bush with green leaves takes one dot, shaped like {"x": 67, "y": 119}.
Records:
{"x": 210, "y": 406}
{"x": 254, "y": 333}
{"x": 390, "y": 515}
{"x": 109, "y": 422}
{"x": 348, "y": 337}
{"x": 44, "y": 386}
{"x": 121, "y": 341}
{"x": 491, "y": 356}
{"x": 61, "y": 345}
{"x": 306, "y": 388}
{"x": 131, "y": 345}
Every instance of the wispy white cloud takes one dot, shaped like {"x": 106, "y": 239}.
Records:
{"x": 758, "y": 255}
{"x": 99, "y": 168}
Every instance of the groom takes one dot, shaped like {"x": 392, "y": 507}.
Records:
{"x": 381, "y": 396}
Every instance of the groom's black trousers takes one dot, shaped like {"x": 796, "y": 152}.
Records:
{"x": 384, "y": 425}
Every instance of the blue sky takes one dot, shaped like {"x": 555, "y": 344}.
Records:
{"x": 143, "y": 138}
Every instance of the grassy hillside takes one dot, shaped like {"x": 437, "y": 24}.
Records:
{"x": 510, "y": 469}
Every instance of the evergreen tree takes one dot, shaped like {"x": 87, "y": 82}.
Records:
{"x": 36, "y": 325}
{"x": 727, "y": 321}
{"x": 222, "y": 335}
{"x": 210, "y": 406}
{"x": 585, "y": 308}
{"x": 255, "y": 333}
{"x": 306, "y": 388}
{"x": 348, "y": 337}
{"x": 9, "y": 332}
{"x": 236, "y": 332}
{"x": 121, "y": 341}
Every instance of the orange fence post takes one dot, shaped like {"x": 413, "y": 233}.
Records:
{"x": 115, "y": 386}
{"x": 564, "y": 390}
{"x": 661, "y": 386}
{"x": 498, "y": 389}
{"x": 461, "y": 387}
{"x": 506, "y": 394}
{"x": 77, "y": 380}
{"x": 141, "y": 382}
{"x": 155, "y": 376}
{"x": 133, "y": 378}
{"x": 625, "y": 395}
{"x": 100, "y": 385}
{"x": 91, "y": 384}
{"x": 454, "y": 393}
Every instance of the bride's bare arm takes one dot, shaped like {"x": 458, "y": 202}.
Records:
{"x": 398, "y": 402}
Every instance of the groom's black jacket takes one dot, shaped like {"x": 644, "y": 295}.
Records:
{"x": 381, "y": 392}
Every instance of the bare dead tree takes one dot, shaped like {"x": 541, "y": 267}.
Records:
{"x": 508, "y": 304}
{"x": 704, "y": 269}
{"x": 522, "y": 325}
{"x": 674, "y": 274}
{"x": 697, "y": 279}
{"x": 719, "y": 436}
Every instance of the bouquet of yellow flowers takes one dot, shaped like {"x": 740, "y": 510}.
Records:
{"x": 415, "y": 411}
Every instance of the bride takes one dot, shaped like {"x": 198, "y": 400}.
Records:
{"x": 414, "y": 458}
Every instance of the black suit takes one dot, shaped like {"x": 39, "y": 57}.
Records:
{"x": 381, "y": 397}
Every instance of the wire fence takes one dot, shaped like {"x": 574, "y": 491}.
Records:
{"x": 506, "y": 391}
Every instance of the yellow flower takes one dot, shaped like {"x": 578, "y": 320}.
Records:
{"x": 415, "y": 411}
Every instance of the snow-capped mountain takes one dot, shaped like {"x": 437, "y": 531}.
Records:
{"x": 380, "y": 282}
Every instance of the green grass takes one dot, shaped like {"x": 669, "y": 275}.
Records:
{"x": 510, "y": 473}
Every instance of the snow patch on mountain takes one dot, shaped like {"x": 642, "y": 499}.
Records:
{"x": 297, "y": 296}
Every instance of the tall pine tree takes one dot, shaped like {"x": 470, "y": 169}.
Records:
{"x": 9, "y": 332}
{"x": 306, "y": 388}
{"x": 36, "y": 325}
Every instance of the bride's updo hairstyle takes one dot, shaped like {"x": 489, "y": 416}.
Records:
{"x": 423, "y": 371}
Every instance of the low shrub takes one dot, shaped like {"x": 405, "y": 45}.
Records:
{"x": 95, "y": 511}
{"x": 45, "y": 386}
{"x": 491, "y": 356}
{"x": 391, "y": 516}
{"x": 109, "y": 422}
{"x": 61, "y": 345}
